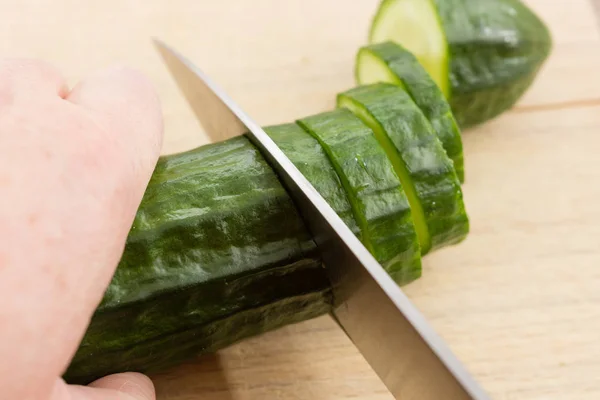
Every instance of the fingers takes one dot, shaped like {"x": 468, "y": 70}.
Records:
{"x": 126, "y": 104}
{"x": 126, "y": 386}
{"x": 138, "y": 386}
{"x": 23, "y": 77}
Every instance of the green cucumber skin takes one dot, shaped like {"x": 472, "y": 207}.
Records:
{"x": 216, "y": 234}
{"x": 202, "y": 210}
{"x": 496, "y": 50}
{"x": 430, "y": 170}
{"x": 375, "y": 192}
{"x": 427, "y": 95}
{"x": 305, "y": 152}
{"x": 162, "y": 352}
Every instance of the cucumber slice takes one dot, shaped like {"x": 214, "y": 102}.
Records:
{"x": 309, "y": 157}
{"x": 375, "y": 192}
{"x": 416, "y": 25}
{"x": 426, "y": 172}
{"x": 390, "y": 62}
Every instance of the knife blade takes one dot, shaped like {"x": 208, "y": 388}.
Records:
{"x": 388, "y": 330}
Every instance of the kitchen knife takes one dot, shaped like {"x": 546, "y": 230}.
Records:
{"x": 391, "y": 334}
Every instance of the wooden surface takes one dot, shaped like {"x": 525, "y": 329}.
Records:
{"x": 518, "y": 302}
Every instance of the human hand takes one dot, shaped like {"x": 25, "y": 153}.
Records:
{"x": 73, "y": 169}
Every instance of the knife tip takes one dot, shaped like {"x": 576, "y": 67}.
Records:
{"x": 157, "y": 42}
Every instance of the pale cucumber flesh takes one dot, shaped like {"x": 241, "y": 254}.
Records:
{"x": 415, "y": 25}
{"x": 373, "y": 69}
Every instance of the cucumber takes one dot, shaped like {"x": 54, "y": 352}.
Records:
{"x": 417, "y": 155}
{"x": 390, "y": 62}
{"x": 216, "y": 236}
{"x": 375, "y": 192}
{"x": 218, "y": 251}
{"x": 495, "y": 49}
{"x": 306, "y": 154}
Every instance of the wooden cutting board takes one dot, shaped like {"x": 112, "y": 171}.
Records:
{"x": 518, "y": 302}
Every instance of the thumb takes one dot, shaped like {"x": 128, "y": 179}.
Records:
{"x": 125, "y": 386}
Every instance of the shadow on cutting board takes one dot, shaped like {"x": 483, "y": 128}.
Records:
{"x": 202, "y": 378}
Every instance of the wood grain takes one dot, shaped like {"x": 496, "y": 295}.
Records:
{"x": 518, "y": 302}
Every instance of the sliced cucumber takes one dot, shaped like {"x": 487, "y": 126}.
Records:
{"x": 426, "y": 172}
{"x": 309, "y": 157}
{"x": 415, "y": 24}
{"x": 375, "y": 192}
{"x": 390, "y": 62}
